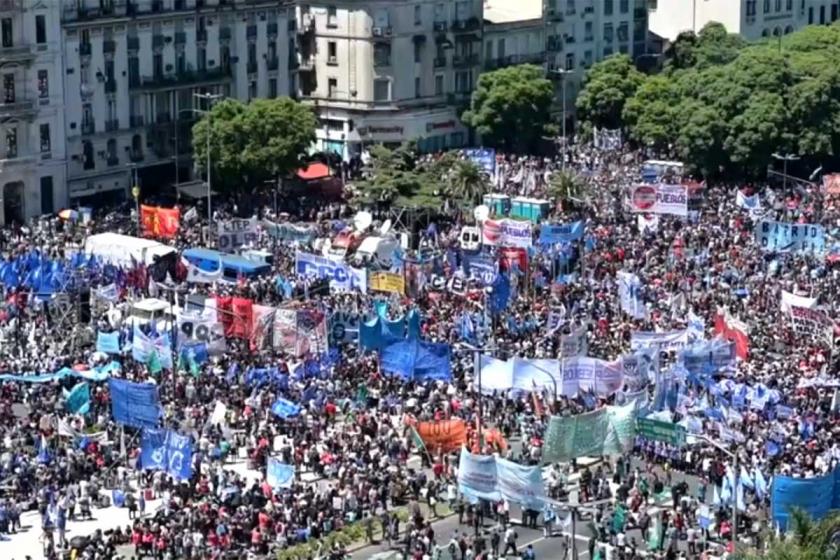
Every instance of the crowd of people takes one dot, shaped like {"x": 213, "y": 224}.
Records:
{"x": 354, "y": 457}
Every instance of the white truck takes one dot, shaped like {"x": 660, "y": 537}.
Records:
{"x": 125, "y": 250}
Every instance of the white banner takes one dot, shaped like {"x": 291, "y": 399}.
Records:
{"x": 812, "y": 324}
{"x": 674, "y": 340}
{"x": 792, "y": 300}
{"x": 629, "y": 286}
{"x": 202, "y": 325}
{"x": 591, "y": 374}
{"x": 574, "y": 344}
{"x": 506, "y": 233}
{"x": 659, "y": 199}
{"x": 236, "y": 233}
{"x": 198, "y": 276}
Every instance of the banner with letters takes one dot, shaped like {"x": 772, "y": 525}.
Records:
{"x": 202, "y": 325}
{"x": 387, "y": 282}
{"x": 575, "y": 343}
{"x": 506, "y": 233}
{"x": 262, "y": 323}
{"x": 629, "y": 295}
{"x": 485, "y": 158}
{"x": 482, "y": 268}
{"x": 789, "y": 237}
{"x": 344, "y": 327}
{"x": 292, "y": 233}
{"x": 300, "y": 331}
{"x": 168, "y": 451}
{"x": 607, "y": 431}
{"x": 493, "y": 478}
{"x": 342, "y": 277}
{"x": 814, "y": 324}
{"x": 790, "y": 300}
{"x": 709, "y": 357}
{"x": 442, "y": 435}
{"x": 236, "y": 233}
{"x": 561, "y": 233}
{"x": 674, "y": 340}
{"x": 659, "y": 199}
{"x": 590, "y": 374}
{"x": 640, "y": 367}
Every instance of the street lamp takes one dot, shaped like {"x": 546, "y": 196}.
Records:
{"x": 562, "y": 73}
{"x": 785, "y": 158}
{"x": 210, "y": 98}
{"x": 734, "y": 456}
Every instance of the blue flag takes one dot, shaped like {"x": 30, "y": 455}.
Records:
{"x": 168, "y": 451}
{"x": 108, "y": 343}
{"x": 135, "y": 404}
{"x": 78, "y": 399}
{"x": 285, "y": 409}
{"x": 279, "y": 475}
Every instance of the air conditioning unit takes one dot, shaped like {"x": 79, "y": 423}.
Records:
{"x": 377, "y": 31}
{"x": 387, "y": 31}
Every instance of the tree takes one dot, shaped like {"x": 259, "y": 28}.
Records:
{"x": 651, "y": 114}
{"x": 607, "y": 87}
{"x": 466, "y": 182}
{"x": 250, "y": 143}
{"x": 806, "y": 539}
{"x": 710, "y": 47}
{"x": 565, "y": 186}
{"x": 393, "y": 177}
{"x": 511, "y": 107}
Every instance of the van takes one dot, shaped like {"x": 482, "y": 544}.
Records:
{"x": 151, "y": 311}
{"x": 234, "y": 267}
{"x": 377, "y": 251}
{"x": 258, "y": 256}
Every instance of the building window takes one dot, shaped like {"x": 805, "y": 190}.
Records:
{"x": 111, "y": 149}
{"x": 587, "y": 31}
{"x": 766, "y": 6}
{"x": 624, "y": 6}
{"x": 608, "y": 7}
{"x": 608, "y": 33}
{"x": 751, "y": 5}
{"x": 463, "y": 82}
{"x": 332, "y": 53}
{"x": 501, "y": 48}
{"x": 418, "y": 20}
{"x": 652, "y": 5}
{"x": 438, "y": 84}
{"x": 9, "y": 88}
{"x": 252, "y": 89}
{"x": 332, "y": 17}
{"x": 43, "y": 84}
{"x": 381, "y": 90}
{"x": 157, "y": 66}
{"x": 608, "y": 52}
{"x": 11, "y": 142}
{"x": 45, "y": 137}
{"x": 252, "y": 55}
{"x": 381, "y": 54}
{"x": 47, "y": 195}
{"x": 417, "y": 87}
{"x": 778, "y": 5}
{"x": 570, "y": 61}
{"x": 440, "y": 13}
{"x": 40, "y": 29}
{"x": 587, "y": 58}
{"x": 623, "y": 32}
{"x": 88, "y": 161}
{"x": 272, "y": 87}
{"x": 822, "y": 15}
{"x": 201, "y": 59}
{"x": 332, "y": 85}
{"x": 418, "y": 52}
{"x": 6, "y": 35}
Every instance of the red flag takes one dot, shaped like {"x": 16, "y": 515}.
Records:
{"x": 225, "y": 311}
{"x": 169, "y": 220}
{"x": 243, "y": 312}
{"x": 733, "y": 330}
{"x": 148, "y": 219}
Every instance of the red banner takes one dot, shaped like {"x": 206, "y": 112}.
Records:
{"x": 508, "y": 256}
{"x": 160, "y": 222}
{"x": 243, "y": 312}
{"x": 225, "y": 313}
{"x": 443, "y": 435}
{"x": 735, "y": 331}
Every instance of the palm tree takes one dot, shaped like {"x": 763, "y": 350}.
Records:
{"x": 466, "y": 182}
{"x": 806, "y": 539}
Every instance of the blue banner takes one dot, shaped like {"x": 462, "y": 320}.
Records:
{"x": 477, "y": 476}
{"x": 290, "y": 232}
{"x": 99, "y": 373}
{"x": 143, "y": 346}
{"x": 379, "y": 333}
{"x": 814, "y": 496}
{"x": 108, "y": 343}
{"x": 285, "y": 408}
{"x": 561, "y": 233}
{"x": 342, "y": 276}
{"x": 790, "y": 237}
{"x": 413, "y": 360}
{"x": 279, "y": 475}
{"x": 77, "y": 400}
{"x": 492, "y": 478}
{"x": 134, "y": 404}
{"x": 629, "y": 295}
{"x": 706, "y": 358}
{"x": 168, "y": 451}
{"x": 485, "y": 158}
{"x": 482, "y": 268}
{"x": 500, "y": 295}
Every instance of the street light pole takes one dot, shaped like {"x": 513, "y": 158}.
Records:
{"x": 210, "y": 98}
{"x": 785, "y": 158}
{"x": 734, "y": 456}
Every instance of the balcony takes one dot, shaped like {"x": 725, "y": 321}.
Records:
{"x": 22, "y": 53}
{"x": 464, "y": 60}
{"x": 111, "y": 125}
{"x": 88, "y": 127}
{"x": 440, "y": 61}
{"x": 111, "y": 86}
{"x": 252, "y": 67}
{"x": 134, "y": 43}
{"x": 466, "y": 25}
{"x": 11, "y": 5}
{"x": 180, "y": 38}
{"x": 381, "y": 33}
{"x": 305, "y": 63}
{"x": 440, "y": 26}
{"x": 157, "y": 41}
{"x": 272, "y": 64}
{"x": 19, "y": 108}
{"x": 307, "y": 24}
{"x": 136, "y": 121}
{"x": 225, "y": 33}
{"x": 201, "y": 35}
{"x": 184, "y": 79}
{"x": 512, "y": 60}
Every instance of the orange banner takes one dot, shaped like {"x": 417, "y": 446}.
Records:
{"x": 160, "y": 222}
{"x": 443, "y": 435}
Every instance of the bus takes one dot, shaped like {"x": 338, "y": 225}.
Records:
{"x": 234, "y": 267}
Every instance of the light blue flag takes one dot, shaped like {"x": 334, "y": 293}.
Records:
{"x": 477, "y": 476}
{"x": 285, "y": 408}
{"x": 77, "y": 400}
{"x": 760, "y": 483}
{"x": 279, "y": 475}
{"x": 746, "y": 479}
{"x": 108, "y": 343}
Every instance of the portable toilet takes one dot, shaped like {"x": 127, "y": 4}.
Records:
{"x": 532, "y": 209}
{"x": 499, "y": 204}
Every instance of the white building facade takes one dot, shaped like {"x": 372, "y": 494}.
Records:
{"x": 32, "y": 155}
{"x": 387, "y": 71}
{"x": 752, "y": 19}
{"x": 133, "y": 70}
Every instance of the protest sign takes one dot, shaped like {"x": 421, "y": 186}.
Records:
{"x": 561, "y": 233}
{"x": 494, "y": 478}
{"x": 201, "y": 324}
{"x": 570, "y": 437}
{"x": 387, "y": 282}
{"x": 134, "y": 404}
{"x": 708, "y": 357}
{"x": 344, "y": 327}
{"x": 443, "y": 435}
{"x": 342, "y": 277}
{"x": 292, "y": 233}
{"x": 629, "y": 288}
{"x": 814, "y": 324}
{"x": 168, "y": 451}
{"x": 789, "y": 300}
{"x": 262, "y": 326}
{"x": 575, "y": 343}
{"x": 485, "y": 158}
{"x": 659, "y": 199}
{"x": 673, "y": 340}
{"x": 236, "y": 233}
{"x": 790, "y": 237}
{"x": 590, "y": 374}
{"x": 506, "y": 233}
{"x": 279, "y": 475}
{"x": 160, "y": 222}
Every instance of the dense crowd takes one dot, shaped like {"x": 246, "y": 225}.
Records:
{"x": 352, "y": 453}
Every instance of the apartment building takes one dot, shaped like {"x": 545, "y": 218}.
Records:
{"x": 133, "y": 69}
{"x": 387, "y": 71}
{"x": 752, "y": 19}
{"x": 32, "y": 157}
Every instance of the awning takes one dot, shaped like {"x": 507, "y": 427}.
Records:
{"x": 313, "y": 171}
{"x": 195, "y": 190}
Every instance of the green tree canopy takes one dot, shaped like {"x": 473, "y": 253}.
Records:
{"x": 393, "y": 177}
{"x": 511, "y": 108}
{"x": 806, "y": 539}
{"x": 607, "y": 87}
{"x": 252, "y": 142}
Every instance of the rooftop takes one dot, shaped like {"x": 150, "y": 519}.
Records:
{"x": 508, "y": 11}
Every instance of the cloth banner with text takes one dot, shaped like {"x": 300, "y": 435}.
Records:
{"x": 160, "y": 222}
